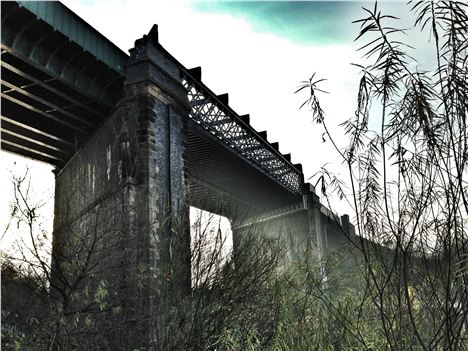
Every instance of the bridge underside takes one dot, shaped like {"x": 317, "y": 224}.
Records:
{"x": 54, "y": 92}
{"x": 60, "y": 83}
{"x": 222, "y": 183}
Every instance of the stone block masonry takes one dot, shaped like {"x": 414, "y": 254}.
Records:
{"x": 121, "y": 214}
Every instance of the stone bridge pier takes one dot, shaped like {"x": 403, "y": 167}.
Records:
{"x": 121, "y": 225}
{"x": 306, "y": 230}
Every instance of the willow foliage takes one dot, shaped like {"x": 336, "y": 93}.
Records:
{"x": 409, "y": 175}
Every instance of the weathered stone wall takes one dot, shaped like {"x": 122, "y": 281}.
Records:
{"x": 98, "y": 242}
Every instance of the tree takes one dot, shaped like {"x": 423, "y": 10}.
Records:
{"x": 249, "y": 302}
{"x": 408, "y": 177}
{"x": 66, "y": 299}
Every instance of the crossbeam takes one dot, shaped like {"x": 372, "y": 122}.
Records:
{"x": 52, "y": 106}
{"x": 49, "y": 88}
{"x": 36, "y": 131}
{"x": 42, "y": 113}
{"x": 31, "y": 140}
{"x": 38, "y": 154}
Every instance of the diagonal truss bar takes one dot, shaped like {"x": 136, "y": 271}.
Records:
{"x": 210, "y": 112}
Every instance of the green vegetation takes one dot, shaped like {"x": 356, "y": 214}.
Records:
{"x": 407, "y": 160}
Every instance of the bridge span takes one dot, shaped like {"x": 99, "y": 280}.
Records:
{"x": 136, "y": 139}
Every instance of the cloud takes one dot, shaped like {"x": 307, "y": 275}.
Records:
{"x": 317, "y": 22}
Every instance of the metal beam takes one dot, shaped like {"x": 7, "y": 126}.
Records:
{"x": 46, "y": 103}
{"x": 49, "y": 88}
{"x": 59, "y": 17}
{"x": 41, "y": 155}
{"x": 37, "y": 131}
{"x": 284, "y": 171}
{"x": 278, "y": 168}
{"x": 220, "y": 122}
{"x": 267, "y": 159}
{"x": 239, "y": 137}
{"x": 236, "y": 151}
{"x": 227, "y": 195}
{"x": 199, "y": 102}
{"x": 42, "y": 113}
{"x": 19, "y": 34}
{"x": 34, "y": 141}
{"x": 242, "y": 138}
{"x": 33, "y": 84}
{"x": 252, "y": 148}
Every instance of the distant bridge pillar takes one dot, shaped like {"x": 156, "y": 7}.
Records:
{"x": 121, "y": 207}
{"x": 315, "y": 225}
{"x": 300, "y": 228}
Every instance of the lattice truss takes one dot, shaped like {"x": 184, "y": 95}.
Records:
{"x": 210, "y": 113}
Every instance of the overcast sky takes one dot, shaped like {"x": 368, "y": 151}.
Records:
{"x": 258, "y": 52}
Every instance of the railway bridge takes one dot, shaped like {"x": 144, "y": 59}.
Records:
{"x": 135, "y": 140}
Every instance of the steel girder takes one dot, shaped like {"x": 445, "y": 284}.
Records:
{"x": 213, "y": 114}
{"x": 54, "y": 93}
{"x": 213, "y": 166}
